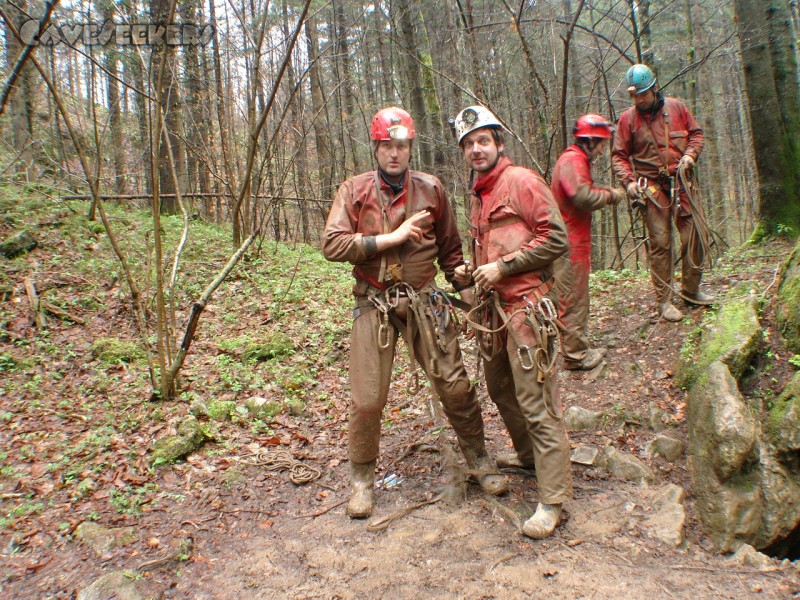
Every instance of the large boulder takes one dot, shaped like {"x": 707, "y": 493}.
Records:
{"x": 744, "y": 461}
{"x": 733, "y": 337}
{"x": 787, "y": 307}
{"x": 722, "y": 458}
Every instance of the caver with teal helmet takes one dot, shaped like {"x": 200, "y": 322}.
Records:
{"x": 639, "y": 79}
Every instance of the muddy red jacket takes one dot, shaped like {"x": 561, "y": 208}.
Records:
{"x": 366, "y": 207}
{"x": 516, "y": 223}
{"x": 642, "y": 139}
{"x": 576, "y": 195}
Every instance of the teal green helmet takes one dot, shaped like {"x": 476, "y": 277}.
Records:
{"x": 639, "y": 79}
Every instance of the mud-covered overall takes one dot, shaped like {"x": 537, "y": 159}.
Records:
{"x": 413, "y": 307}
{"x": 577, "y": 197}
{"x": 516, "y": 223}
{"x": 650, "y": 144}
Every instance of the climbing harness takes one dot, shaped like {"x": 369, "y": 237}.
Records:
{"x": 540, "y": 315}
{"x": 429, "y": 313}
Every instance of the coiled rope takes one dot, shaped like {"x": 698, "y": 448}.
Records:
{"x": 282, "y": 460}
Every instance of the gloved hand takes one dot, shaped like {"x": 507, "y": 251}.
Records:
{"x": 617, "y": 196}
{"x": 634, "y": 191}
{"x": 686, "y": 162}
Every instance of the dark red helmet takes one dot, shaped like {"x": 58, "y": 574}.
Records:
{"x": 392, "y": 124}
{"x": 593, "y": 126}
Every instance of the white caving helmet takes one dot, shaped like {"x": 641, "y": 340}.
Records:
{"x": 472, "y": 118}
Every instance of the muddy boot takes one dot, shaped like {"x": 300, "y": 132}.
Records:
{"x": 483, "y": 468}
{"x": 362, "y": 481}
{"x": 593, "y": 358}
{"x": 669, "y": 312}
{"x": 543, "y": 522}
{"x": 511, "y": 460}
{"x": 697, "y": 298}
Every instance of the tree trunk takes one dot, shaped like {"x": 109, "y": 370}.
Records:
{"x": 21, "y": 96}
{"x": 767, "y": 38}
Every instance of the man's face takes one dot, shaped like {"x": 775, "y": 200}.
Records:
{"x": 480, "y": 150}
{"x": 598, "y": 149}
{"x": 393, "y": 156}
{"x": 644, "y": 100}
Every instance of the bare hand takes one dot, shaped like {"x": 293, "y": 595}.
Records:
{"x": 634, "y": 191}
{"x": 412, "y": 228}
{"x": 487, "y": 274}
{"x": 463, "y": 274}
{"x": 686, "y": 162}
{"x": 617, "y": 195}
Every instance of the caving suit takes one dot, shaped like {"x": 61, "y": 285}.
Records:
{"x": 650, "y": 144}
{"x": 366, "y": 206}
{"x": 577, "y": 197}
{"x": 516, "y": 223}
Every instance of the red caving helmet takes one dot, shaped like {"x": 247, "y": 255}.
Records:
{"x": 392, "y": 124}
{"x": 593, "y": 126}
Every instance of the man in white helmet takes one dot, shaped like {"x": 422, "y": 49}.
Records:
{"x": 655, "y": 138}
{"x": 391, "y": 224}
{"x": 517, "y": 233}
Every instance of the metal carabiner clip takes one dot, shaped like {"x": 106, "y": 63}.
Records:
{"x": 527, "y": 351}
{"x": 642, "y": 183}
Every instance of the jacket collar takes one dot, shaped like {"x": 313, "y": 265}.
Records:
{"x": 486, "y": 181}
{"x": 395, "y": 188}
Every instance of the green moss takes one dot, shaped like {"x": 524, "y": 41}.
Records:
{"x": 783, "y": 419}
{"x": 733, "y": 337}
{"x": 221, "y": 410}
{"x": 96, "y": 227}
{"x": 191, "y": 435}
{"x": 787, "y": 308}
{"x": 113, "y": 350}
{"x": 274, "y": 345}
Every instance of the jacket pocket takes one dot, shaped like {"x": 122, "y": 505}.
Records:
{"x": 680, "y": 139}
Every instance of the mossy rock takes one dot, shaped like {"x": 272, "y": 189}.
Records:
{"x": 733, "y": 337}
{"x": 784, "y": 418}
{"x": 18, "y": 244}
{"x": 295, "y": 407}
{"x": 114, "y": 350}
{"x": 787, "y": 307}
{"x": 96, "y": 227}
{"x": 275, "y": 344}
{"x": 168, "y": 449}
{"x": 221, "y": 410}
{"x": 262, "y": 408}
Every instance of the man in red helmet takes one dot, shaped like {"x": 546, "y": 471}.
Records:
{"x": 656, "y": 138}
{"x": 391, "y": 224}
{"x": 517, "y": 234}
{"x": 577, "y": 196}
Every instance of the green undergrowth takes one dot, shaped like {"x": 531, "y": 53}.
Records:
{"x": 74, "y": 395}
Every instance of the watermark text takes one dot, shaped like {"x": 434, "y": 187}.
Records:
{"x": 119, "y": 34}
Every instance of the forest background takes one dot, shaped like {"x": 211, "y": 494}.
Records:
{"x": 230, "y": 139}
{"x": 265, "y": 105}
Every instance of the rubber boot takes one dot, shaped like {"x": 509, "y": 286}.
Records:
{"x": 543, "y": 522}
{"x": 697, "y": 298}
{"x": 511, "y": 460}
{"x": 483, "y": 468}
{"x": 594, "y": 356}
{"x": 669, "y": 312}
{"x": 362, "y": 481}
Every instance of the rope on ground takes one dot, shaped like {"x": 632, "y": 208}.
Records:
{"x": 383, "y": 523}
{"x": 282, "y": 460}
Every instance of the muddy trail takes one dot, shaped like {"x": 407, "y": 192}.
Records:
{"x": 228, "y": 522}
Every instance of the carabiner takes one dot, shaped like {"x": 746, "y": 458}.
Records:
{"x": 531, "y": 362}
